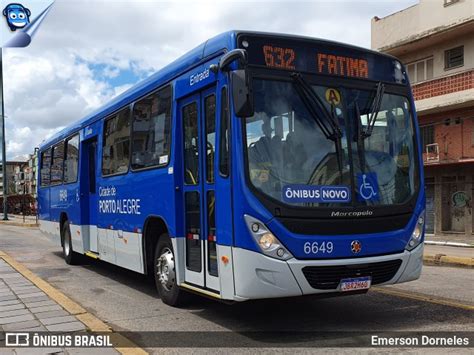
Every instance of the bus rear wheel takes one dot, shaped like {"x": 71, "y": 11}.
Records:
{"x": 70, "y": 255}
{"x": 165, "y": 272}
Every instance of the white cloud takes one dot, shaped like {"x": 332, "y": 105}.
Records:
{"x": 55, "y": 81}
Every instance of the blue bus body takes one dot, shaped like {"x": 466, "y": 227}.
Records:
{"x": 120, "y": 217}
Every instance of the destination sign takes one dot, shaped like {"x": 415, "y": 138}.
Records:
{"x": 320, "y": 57}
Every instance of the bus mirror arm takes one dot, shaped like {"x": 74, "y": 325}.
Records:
{"x": 229, "y": 57}
{"x": 241, "y": 86}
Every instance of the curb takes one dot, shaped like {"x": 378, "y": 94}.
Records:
{"x": 445, "y": 260}
{"x": 93, "y": 324}
{"x": 449, "y": 244}
{"x": 19, "y": 224}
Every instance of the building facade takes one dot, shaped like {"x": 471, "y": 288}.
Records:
{"x": 11, "y": 168}
{"x": 22, "y": 189}
{"x": 435, "y": 41}
{"x": 25, "y": 177}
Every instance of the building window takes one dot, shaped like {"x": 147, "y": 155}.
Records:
{"x": 454, "y": 57}
{"x": 420, "y": 70}
{"x": 151, "y": 130}
{"x": 116, "y": 146}
{"x": 57, "y": 165}
{"x": 72, "y": 159}
{"x": 427, "y": 136}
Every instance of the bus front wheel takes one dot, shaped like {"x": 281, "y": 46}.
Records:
{"x": 165, "y": 272}
{"x": 70, "y": 255}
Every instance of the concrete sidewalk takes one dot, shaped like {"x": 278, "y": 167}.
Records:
{"x": 19, "y": 221}
{"x": 448, "y": 255}
{"x": 30, "y": 304}
{"x": 460, "y": 239}
{"x": 24, "y": 307}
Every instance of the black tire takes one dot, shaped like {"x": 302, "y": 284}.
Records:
{"x": 167, "y": 288}
{"x": 69, "y": 254}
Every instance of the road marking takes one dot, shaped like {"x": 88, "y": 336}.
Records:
{"x": 123, "y": 345}
{"x": 423, "y": 298}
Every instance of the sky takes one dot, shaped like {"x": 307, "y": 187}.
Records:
{"x": 86, "y": 52}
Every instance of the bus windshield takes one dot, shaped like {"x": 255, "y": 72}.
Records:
{"x": 288, "y": 150}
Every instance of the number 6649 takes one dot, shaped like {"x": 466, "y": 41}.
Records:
{"x": 318, "y": 247}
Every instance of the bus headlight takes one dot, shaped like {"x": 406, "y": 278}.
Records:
{"x": 268, "y": 243}
{"x": 417, "y": 234}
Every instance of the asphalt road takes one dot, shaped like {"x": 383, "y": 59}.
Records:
{"x": 438, "y": 301}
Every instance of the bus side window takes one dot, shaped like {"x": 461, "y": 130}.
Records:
{"x": 151, "y": 130}
{"x": 224, "y": 134}
{"x": 45, "y": 169}
{"x": 116, "y": 146}
{"x": 57, "y": 165}
{"x": 72, "y": 159}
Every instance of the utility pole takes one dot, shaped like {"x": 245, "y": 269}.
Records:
{"x": 4, "y": 144}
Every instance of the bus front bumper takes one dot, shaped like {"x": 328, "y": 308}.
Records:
{"x": 258, "y": 276}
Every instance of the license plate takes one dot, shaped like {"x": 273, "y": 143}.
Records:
{"x": 358, "y": 283}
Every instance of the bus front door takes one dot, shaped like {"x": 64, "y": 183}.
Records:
{"x": 198, "y": 115}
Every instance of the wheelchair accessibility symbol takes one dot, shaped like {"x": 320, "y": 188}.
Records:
{"x": 367, "y": 187}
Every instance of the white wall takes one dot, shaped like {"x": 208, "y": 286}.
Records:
{"x": 419, "y": 20}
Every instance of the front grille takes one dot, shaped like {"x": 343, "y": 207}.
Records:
{"x": 328, "y": 277}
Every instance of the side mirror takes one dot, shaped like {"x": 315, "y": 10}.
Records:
{"x": 242, "y": 93}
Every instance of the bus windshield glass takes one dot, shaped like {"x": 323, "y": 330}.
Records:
{"x": 290, "y": 158}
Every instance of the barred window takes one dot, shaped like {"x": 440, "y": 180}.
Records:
{"x": 427, "y": 136}
{"x": 454, "y": 57}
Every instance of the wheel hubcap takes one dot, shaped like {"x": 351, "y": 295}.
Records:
{"x": 165, "y": 269}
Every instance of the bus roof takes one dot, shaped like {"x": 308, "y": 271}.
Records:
{"x": 224, "y": 41}
{"x": 221, "y": 42}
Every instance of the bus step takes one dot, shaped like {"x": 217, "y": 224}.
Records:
{"x": 200, "y": 290}
{"x": 92, "y": 254}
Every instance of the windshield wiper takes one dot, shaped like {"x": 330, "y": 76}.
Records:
{"x": 374, "y": 111}
{"x": 326, "y": 120}
{"x": 361, "y": 134}
{"x": 359, "y": 138}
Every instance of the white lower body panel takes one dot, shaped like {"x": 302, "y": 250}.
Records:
{"x": 51, "y": 230}
{"x": 258, "y": 276}
{"x": 115, "y": 246}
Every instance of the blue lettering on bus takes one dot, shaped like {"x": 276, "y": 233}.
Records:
{"x": 316, "y": 193}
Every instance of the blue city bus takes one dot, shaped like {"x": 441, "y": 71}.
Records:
{"x": 255, "y": 166}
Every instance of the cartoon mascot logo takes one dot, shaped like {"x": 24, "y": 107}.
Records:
{"x": 17, "y": 16}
